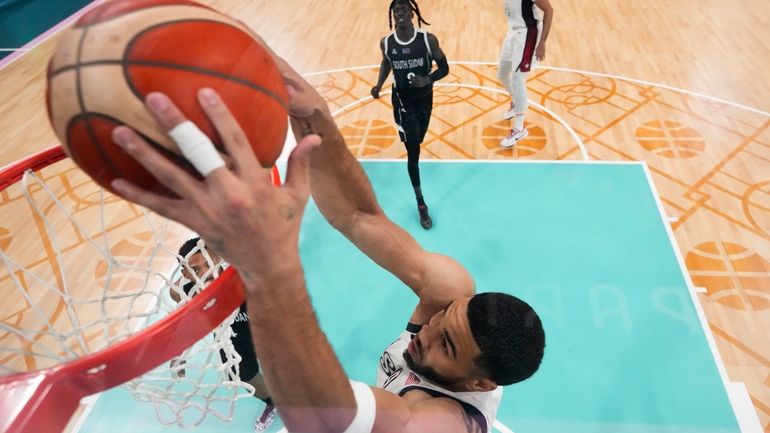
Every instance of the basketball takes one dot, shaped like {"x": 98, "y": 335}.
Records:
{"x": 121, "y": 51}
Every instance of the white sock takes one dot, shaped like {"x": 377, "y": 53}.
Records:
{"x": 520, "y": 98}
{"x": 518, "y": 121}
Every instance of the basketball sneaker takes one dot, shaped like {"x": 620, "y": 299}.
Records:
{"x": 265, "y": 420}
{"x": 510, "y": 113}
{"x": 513, "y": 138}
{"x": 425, "y": 220}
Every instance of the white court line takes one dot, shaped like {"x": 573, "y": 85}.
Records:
{"x": 748, "y": 420}
{"x": 14, "y": 49}
{"x": 507, "y": 161}
{"x": 88, "y": 405}
{"x": 637, "y": 81}
{"x": 334, "y": 71}
{"x": 737, "y": 395}
{"x": 575, "y": 136}
{"x": 579, "y": 71}
{"x": 662, "y": 86}
{"x": 500, "y": 426}
{"x": 47, "y": 34}
{"x": 572, "y": 133}
{"x": 342, "y": 109}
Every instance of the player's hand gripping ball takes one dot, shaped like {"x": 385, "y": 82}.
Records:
{"x": 123, "y": 50}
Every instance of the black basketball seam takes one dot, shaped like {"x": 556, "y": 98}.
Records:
{"x": 173, "y": 66}
{"x": 191, "y": 68}
{"x": 85, "y": 114}
{"x": 125, "y": 64}
{"x": 203, "y": 71}
{"x": 179, "y": 160}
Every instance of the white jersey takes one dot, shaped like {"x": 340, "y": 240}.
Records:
{"x": 395, "y": 376}
{"x": 521, "y": 13}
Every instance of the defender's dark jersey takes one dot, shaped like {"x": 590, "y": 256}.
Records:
{"x": 248, "y": 367}
{"x": 240, "y": 326}
{"x": 409, "y": 57}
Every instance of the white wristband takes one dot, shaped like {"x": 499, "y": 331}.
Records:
{"x": 365, "y": 411}
{"x": 196, "y": 147}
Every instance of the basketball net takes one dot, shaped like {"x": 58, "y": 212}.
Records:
{"x": 83, "y": 274}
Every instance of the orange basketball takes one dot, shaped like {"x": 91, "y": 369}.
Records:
{"x": 123, "y": 50}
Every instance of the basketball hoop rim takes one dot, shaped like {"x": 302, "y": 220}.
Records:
{"x": 57, "y": 391}
{"x": 14, "y": 171}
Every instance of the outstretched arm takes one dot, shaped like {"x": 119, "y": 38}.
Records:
{"x": 238, "y": 203}
{"x": 255, "y": 227}
{"x": 345, "y": 197}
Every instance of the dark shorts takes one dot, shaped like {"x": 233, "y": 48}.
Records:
{"x": 249, "y": 366}
{"x": 412, "y": 115}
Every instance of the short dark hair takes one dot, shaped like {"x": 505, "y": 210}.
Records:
{"x": 188, "y": 246}
{"x": 509, "y": 333}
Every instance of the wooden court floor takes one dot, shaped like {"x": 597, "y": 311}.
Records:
{"x": 681, "y": 86}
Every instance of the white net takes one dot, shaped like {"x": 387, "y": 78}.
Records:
{"x": 82, "y": 270}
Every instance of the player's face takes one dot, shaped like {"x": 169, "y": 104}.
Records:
{"x": 444, "y": 349}
{"x": 200, "y": 266}
{"x": 402, "y": 13}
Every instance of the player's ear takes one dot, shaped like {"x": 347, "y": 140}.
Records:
{"x": 479, "y": 384}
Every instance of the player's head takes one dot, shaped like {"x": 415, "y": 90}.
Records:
{"x": 479, "y": 342}
{"x": 403, "y": 11}
{"x": 199, "y": 260}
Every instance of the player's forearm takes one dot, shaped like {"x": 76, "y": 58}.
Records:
{"x": 442, "y": 70}
{"x": 338, "y": 184}
{"x": 306, "y": 381}
{"x": 547, "y": 19}
{"x": 384, "y": 72}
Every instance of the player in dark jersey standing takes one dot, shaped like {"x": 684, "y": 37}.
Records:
{"x": 410, "y": 53}
{"x": 201, "y": 261}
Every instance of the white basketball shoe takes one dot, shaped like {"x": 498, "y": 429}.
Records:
{"x": 513, "y": 137}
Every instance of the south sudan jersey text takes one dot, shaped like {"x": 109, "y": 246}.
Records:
{"x": 409, "y": 58}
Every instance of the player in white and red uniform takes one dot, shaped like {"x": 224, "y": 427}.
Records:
{"x": 523, "y": 47}
{"x": 395, "y": 375}
{"x": 468, "y": 344}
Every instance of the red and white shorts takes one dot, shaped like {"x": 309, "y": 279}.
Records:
{"x": 519, "y": 48}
